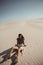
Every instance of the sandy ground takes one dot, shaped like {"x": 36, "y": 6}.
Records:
{"x": 33, "y": 33}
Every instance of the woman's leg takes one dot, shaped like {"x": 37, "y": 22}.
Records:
{"x": 21, "y": 49}
{"x": 12, "y": 49}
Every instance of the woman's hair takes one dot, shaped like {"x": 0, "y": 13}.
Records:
{"x": 19, "y": 35}
{"x": 22, "y": 36}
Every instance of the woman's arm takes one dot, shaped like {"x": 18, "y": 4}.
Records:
{"x": 23, "y": 42}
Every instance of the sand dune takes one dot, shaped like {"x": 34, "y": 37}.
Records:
{"x": 33, "y": 33}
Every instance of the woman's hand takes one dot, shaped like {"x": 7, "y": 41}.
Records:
{"x": 24, "y": 45}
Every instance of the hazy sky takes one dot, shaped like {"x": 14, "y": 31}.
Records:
{"x": 11, "y": 10}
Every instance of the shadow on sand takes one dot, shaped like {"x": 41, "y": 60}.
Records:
{"x": 5, "y": 56}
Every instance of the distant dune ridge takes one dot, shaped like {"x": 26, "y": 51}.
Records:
{"x": 33, "y": 33}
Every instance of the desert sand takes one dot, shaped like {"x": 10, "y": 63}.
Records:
{"x": 33, "y": 33}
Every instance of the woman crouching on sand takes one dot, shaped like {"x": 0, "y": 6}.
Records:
{"x": 19, "y": 45}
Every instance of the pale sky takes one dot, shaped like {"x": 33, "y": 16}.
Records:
{"x": 20, "y": 9}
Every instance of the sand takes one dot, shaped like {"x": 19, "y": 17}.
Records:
{"x": 33, "y": 33}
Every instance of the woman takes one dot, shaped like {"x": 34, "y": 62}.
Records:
{"x": 19, "y": 45}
